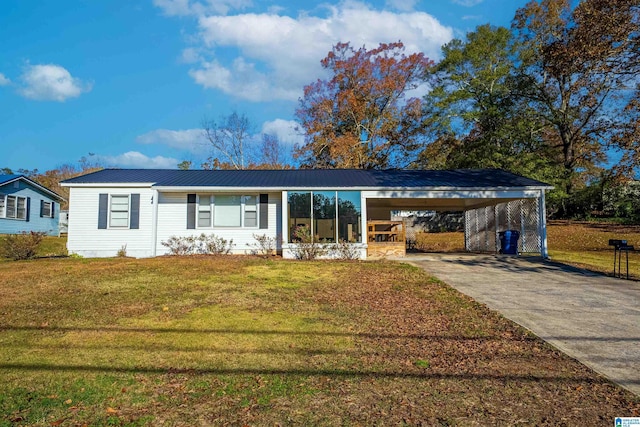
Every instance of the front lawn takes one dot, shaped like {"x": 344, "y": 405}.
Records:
{"x": 251, "y": 341}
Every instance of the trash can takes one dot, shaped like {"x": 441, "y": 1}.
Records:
{"x": 509, "y": 242}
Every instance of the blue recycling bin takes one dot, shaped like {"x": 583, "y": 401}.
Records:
{"x": 509, "y": 242}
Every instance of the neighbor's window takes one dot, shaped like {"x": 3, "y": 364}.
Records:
{"x": 15, "y": 207}
{"x": 119, "y": 211}
{"x": 47, "y": 210}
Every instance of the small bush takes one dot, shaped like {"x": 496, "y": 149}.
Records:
{"x": 306, "y": 246}
{"x": 180, "y": 245}
{"x": 345, "y": 250}
{"x": 265, "y": 245}
{"x": 203, "y": 244}
{"x": 21, "y": 246}
{"x": 122, "y": 252}
{"x": 213, "y": 245}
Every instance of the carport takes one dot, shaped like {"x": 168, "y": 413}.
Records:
{"x": 492, "y": 201}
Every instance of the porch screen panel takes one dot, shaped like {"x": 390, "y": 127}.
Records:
{"x": 299, "y": 212}
{"x": 324, "y": 216}
{"x": 349, "y": 216}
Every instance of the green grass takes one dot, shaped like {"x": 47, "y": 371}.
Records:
{"x": 249, "y": 341}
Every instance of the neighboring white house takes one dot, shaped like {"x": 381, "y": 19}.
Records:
{"x": 141, "y": 208}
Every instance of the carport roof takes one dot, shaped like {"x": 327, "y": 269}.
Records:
{"x": 312, "y": 178}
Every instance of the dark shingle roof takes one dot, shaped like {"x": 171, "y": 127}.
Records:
{"x": 8, "y": 178}
{"x": 312, "y": 178}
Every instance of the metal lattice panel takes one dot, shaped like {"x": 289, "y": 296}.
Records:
{"x": 483, "y": 225}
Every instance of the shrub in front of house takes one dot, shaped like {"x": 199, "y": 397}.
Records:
{"x": 264, "y": 245}
{"x": 21, "y": 246}
{"x": 202, "y": 244}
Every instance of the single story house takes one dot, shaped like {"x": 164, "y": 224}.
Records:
{"x": 27, "y": 206}
{"x": 141, "y": 208}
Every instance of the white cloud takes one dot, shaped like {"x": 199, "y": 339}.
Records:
{"x": 135, "y": 159}
{"x": 191, "y": 140}
{"x": 472, "y": 17}
{"x": 277, "y": 55}
{"x": 51, "y": 82}
{"x": 191, "y": 55}
{"x": 467, "y": 3}
{"x": 3, "y": 80}
{"x": 404, "y": 5}
{"x": 285, "y": 130}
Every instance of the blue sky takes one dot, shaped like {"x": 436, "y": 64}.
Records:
{"x": 130, "y": 81}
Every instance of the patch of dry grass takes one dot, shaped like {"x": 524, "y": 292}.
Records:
{"x": 249, "y": 341}
{"x": 586, "y": 245}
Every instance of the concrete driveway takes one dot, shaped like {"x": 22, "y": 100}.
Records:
{"x": 589, "y": 316}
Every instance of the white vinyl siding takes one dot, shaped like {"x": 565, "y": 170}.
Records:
{"x": 119, "y": 211}
{"x": 86, "y": 239}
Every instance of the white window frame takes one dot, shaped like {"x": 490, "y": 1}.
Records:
{"x": 204, "y": 208}
{"x": 244, "y": 208}
{"x": 50, "y": 204}
{"x": 112, "y": 210}
{"x": 2, "y": 205}
{"x": 16, "y": 200}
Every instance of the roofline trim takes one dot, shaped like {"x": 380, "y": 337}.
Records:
{"x": 176, "y": 189}
{"x": 108, "y": 184}
{"x": 35, "y": 184}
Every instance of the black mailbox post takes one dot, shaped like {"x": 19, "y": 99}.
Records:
{"x": 620, "y": 246}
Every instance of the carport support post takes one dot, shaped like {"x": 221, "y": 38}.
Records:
{"x": 542, "y": 210}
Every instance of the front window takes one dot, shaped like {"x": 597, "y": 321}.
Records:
{"x": 227, "y": 210}
{"x": 204, "y": 211}
{"x": 250, "y": 211}
{"x": 324, "y": 216}
{"x": 327, "y": 220}
{"x": 119, "y": 211}
{"x": 349, "y": 216}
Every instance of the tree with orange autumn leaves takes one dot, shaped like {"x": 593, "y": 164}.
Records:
{"x": 359, "y": 118}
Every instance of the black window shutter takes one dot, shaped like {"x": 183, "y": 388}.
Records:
{"x": 28, "y": 208}
{"x": 264, "y": 211}
{"x": 103, "y": 208}
{"x": 53, "y": 209}
{"x": 41, "y": 208}
{"x": 134, "y": 222}
{"x": 191, "y": 211}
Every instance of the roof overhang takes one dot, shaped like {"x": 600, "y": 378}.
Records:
{"x": 53, "y": 194}
{"x": 447, "y": 200}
